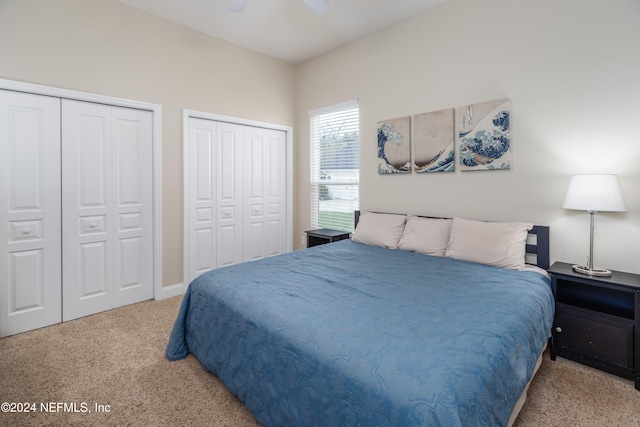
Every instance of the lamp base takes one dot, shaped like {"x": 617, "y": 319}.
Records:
{"x": 603, "y": 272}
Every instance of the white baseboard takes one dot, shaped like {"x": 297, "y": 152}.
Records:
{"x": 171, "y": 291}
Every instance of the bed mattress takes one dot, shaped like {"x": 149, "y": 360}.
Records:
{"x": 350, "y": 334}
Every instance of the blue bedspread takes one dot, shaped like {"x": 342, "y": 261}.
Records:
{"x": 347, "y": 334}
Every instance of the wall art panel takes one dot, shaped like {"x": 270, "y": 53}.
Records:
{"x": 433, "y": 141}
{"x": 394, "y": 146}
{"x": 483, "y": 136}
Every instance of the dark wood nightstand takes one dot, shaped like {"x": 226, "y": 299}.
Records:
{"x": 597, "y": 320}
{"x": 324, "y": 235}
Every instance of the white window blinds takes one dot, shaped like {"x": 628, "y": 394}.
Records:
{"x": 335, "y": 142}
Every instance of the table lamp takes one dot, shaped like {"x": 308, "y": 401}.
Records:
{"x": 593, "y": 193}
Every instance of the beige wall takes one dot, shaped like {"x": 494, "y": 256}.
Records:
{"x": 104, "y": 47}
{"x": 572, "y": 72}
{"x": 571, "y": 69}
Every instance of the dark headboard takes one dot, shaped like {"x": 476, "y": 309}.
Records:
{"x": 539, "y": 249}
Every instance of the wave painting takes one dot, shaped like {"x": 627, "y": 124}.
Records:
{"x": 434, "y": 141}
{"x": 483, "y": 136}
{"x": 394, "y": 146}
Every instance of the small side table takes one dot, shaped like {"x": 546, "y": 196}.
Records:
{"x": 324, "y": 235}
{"x": 597, "y": 320}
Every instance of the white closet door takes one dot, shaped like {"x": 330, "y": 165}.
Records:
{"x": 30, "y": 277}
{"x": 202, "y": 196}
{"x": 228, "y": 180}
{"x": 133, "y": 205}
{"x": 265, "y": 193}
{"x": 254, "y": 185}
{"x": 215, "y": 195}
{"x": 87, "y": 211}
{"x": 276, "y": 193}
{"x": 106, "y": 177}
{"x": 237, "y": 204}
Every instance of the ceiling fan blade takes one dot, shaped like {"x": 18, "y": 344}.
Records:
{"x": 237, "y": 6}
{"x": 318, "y": 6}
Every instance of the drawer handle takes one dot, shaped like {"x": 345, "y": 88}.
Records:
{"x": 26, "y": 230}
{"x": 558, "y": 329}
{"x": 92, "y": 225}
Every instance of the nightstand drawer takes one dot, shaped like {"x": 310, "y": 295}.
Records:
{"x": 586, "y": 334}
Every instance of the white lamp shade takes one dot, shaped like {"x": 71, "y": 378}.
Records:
{"x": 599, "y": 192}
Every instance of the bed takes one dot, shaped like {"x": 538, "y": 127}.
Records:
{"x": 377, "y": 330}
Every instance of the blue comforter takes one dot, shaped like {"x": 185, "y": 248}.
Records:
{"x": 347, "y": 334}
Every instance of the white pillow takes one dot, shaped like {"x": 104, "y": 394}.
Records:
{"x": 501, "y": 244}
{"x": 378, "y": 229}
{"x": 428, "y": 236}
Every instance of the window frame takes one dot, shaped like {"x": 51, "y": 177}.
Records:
{"x": 341, "y": 180}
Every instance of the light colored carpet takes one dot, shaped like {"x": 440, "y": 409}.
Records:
{"x": 117, "y": 359}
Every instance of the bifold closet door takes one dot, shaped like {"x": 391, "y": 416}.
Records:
{"x": 215, "y": 185}
{"x": 106, "y": 207}
{"x": 201, "y": 197}
{"x": 30, "y": 276}
{"x": 236, "y": 194}
{"x": 264, "y": 229}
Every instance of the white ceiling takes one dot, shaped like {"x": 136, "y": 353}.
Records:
{"x": 286, "y": 29}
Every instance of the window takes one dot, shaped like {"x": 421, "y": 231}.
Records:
{"x": 335, "y": 166}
